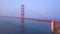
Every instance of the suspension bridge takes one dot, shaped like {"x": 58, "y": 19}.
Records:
{"x": 54, "y": 24}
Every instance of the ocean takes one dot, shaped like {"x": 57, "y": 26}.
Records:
{"x": 12, "y": 26}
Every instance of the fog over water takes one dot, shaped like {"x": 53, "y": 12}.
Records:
{"x": 40, "y": 9}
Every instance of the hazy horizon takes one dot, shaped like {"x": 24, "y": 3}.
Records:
{"x": 46, "y": 9}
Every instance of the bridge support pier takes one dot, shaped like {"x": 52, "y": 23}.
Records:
{"x": 52, "y": 26}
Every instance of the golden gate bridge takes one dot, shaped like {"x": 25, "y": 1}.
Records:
{"x": 54, "y": 23}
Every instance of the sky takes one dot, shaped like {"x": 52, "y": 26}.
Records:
{"x": 41, "y": 9}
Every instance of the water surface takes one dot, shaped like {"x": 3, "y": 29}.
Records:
{"x": 12, "y": 26}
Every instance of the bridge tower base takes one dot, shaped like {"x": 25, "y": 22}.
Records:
{"x": 52, "y": 26}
